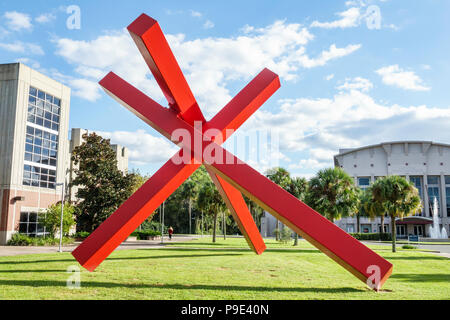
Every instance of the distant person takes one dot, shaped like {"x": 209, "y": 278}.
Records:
{"x": 170, "y": 233}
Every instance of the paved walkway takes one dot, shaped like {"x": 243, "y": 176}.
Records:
{"x": 128, "y": 245}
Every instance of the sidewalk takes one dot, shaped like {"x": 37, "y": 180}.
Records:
{"x": 128, "y": 245}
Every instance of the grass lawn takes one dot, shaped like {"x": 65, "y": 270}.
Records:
{"x": 227, "y": 270}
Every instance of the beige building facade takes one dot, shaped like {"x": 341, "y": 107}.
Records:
{"x": 34, "y": 148}
{"x": 76, "y": 139}
{"x": 425, "y": 163}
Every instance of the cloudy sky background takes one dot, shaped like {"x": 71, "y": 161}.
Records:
{"x": 344, "y": 83}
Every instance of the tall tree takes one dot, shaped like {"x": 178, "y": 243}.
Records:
{"x": 210, "y": 202}
{"x": 375, "y": 209}
{"x": 102, "y": 186}
{"x": 189, "y": 193}
{"x": 332, "y": 193}
{"x": 398, "y": 197}
{"x": 298, "y": 188}
{"x": 365, "y": 201}
{"x": 281, "y": 177}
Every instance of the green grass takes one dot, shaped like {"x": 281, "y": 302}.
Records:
{"x": 226, "y": 270}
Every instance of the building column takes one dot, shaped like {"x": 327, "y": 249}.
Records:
{"x": 443, "y": 197}
{"x": 425, "y": 197}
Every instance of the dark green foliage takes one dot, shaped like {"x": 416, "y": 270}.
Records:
{"x": 103, "y": 187}
{"x": 82, "y": 235}
{"x": 333, "y": 194}
{"x": 52, "y": 219}
{"x": 24, "y": 241}
{"x": 398, "y": 197}
{"x": 146, "y": 234}
{"x": 372, "y": 236}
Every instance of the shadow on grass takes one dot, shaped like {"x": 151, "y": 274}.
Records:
{"x": 91, "y": 285}
{"x": 420, "y": 277}
{"x": 127, "y": 258}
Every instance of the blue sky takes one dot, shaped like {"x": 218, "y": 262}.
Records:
{"x": 350, "y": 76}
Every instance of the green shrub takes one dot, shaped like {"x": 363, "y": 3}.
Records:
{"x": 145, "y": 234}
{"x": 284, "y": 235}
{"x": 372, "y": 236}
{"x": 24, "y": 240}
{"x": 408, "y": 247}
{"x": 20, "y": 240}
{"x": 82, "y": 235}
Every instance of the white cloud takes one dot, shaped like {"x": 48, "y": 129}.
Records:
{"x": 85, "y": 89}
{"x": 327, "y": 55}
{"x": 196, "y": 14}
{"x": 329, "y": 77}
{"x": 395, "y": 76}
{"x": 45, "y": 18}
{"x": 208, "y": 24}
{"x": 22, "y": 47}
{"x": 315, "y": 129}
{"x": 143, "y": 148}
{"x": 357, "y": 83}
{"x": 349, "y": 18}
{"x": 18, "y": 21}
{"x": 210, "y": 64}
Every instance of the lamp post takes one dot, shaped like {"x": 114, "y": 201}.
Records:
{"x": 62, "y": 215}
{"x": 162, "y": 223}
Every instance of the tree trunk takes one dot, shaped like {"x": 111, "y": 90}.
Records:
{"x": 215, "y": 227}
{"x": 190, "y": 216}
{"x": 296, "y": 240}
{"x": 278, "y": 231}
{"x": 224, "y": 227}
{"x": 394, "y": 234}
{"x": 358, "y": 225}
{"x": 382, "y": 227}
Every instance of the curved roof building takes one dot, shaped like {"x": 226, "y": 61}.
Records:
{"x": 425, "y": 163}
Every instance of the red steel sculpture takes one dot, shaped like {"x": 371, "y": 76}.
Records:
{"x": 231, "y": 176}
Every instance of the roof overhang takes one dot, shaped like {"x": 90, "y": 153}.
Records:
{"x": 414, "y": 220}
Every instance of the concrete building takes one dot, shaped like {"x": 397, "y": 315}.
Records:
{"x": 426, "y": 164}
{"x": 34, "y": 148}
{"x": 76, "y": 139}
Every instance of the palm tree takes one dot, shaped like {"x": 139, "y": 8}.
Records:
{"x": 375, "y": 209}
{"x": 281, "y": 177}
{"x": 398, "y": 197}
{"x": 298, "y": 188}
{"x": 210, "y": 201}
{"x": 365, "y": 201}
{"x": 189, "y": 193}
{"x": 332, "y": 193}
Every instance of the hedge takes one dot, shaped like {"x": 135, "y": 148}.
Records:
{"x": 372, "y": 236}
{"x": 145, "y": 234}
{"x": 24, "y": 241}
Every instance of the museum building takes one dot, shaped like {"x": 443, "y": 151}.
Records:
{"x": 34, "y": 120}
{"x": 35, "y": 150}
{"x": 425, "y": 163}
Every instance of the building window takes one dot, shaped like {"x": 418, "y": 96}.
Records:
{"x": 417, "y": 181}
{"x": 39, "y": 177}
{"x": 350, "y": 228}
{"x": 364, "y": 183}
{"x": 30, "y": 224}
{"x": 44, "y": 109}
{"x": 41, "y": 145}
{"x": 434, "y": 192}
{"x": 366, "y": 228}
{"x": 447, "y": 194}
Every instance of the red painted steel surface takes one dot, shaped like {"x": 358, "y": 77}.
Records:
{"x": 231, "y": 178}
